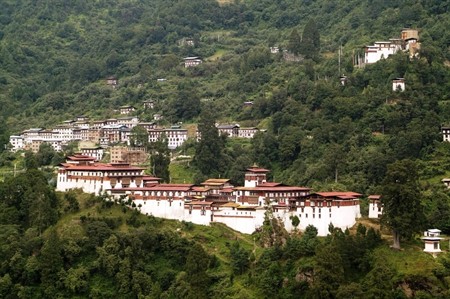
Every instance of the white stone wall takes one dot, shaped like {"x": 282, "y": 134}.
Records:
{"x": 162, "y": 208}
{"x": 195, "y": 216}
{"x": 244, "y": 221}
{"x": 375, "y": 209}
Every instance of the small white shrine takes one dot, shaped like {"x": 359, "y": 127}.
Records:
{"x": 398, "y": 84}
{"x": 432, "y": 241}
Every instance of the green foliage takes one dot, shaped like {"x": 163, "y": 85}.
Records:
{"x": 240, "y": 258}
{"x": 401, "y": 199}
{"x": 310, "y": 44}
{"x": 139, "y": 137}
{"x": 160, "y": 159}
{"x": 209, "y": 156}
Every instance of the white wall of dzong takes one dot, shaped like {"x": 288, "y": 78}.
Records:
{"x": 198, "y": 216}
{"x": 245, "y": 221}
{"x": 173, "y": 209}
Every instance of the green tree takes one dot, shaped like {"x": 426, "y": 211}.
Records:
{"x": 160, "y": 159}
{"x": 328, "y": 272}
{"x": 310, "y": 45}
{"x": 30, "y": 160}
{"x": 401, "y": 199}
{"x": 239, "y": 258}
{"x": 208, "y": 157}
{"x": 45, "y": 154}
{"x": 139, "y": 137}
{"x": 294, "y": 45}
{"x": 50, "y": 261}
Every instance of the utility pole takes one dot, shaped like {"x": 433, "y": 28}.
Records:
{"x": 339, "y": 59}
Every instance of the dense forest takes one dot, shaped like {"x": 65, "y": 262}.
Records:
{"x": 55, "y": 56}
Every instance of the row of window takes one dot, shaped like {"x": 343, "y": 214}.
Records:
{"x": 313, "y": 216}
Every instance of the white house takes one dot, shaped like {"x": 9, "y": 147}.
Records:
{"x": 16, "y": 142}
{"x": 192, "y": 61}
{"x": 381, "y": 50}
{"x": 126, "y": 109}
{"x": 95, "y": 152}
{"x": 432, "y": 241}
{"x": 247, "y": 132}
{"x": 445, "y": 133}
{"x": 446, "y": 182}
{"x": 229, "y": 130}
{"x": 375, "y": 206}
{"x": 398, "y": 84}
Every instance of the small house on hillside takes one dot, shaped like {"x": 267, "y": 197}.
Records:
{"x": 375, "y": 206}
{"x": 126, "y": 109}
{"x": 149, "y": 104}
{"x": 192, "y": 61}
{"x": 432, "y": 239}
{"x": 398, "y": 84}
{"x": 445, "y": 133}
{"x": 112, "y": 81}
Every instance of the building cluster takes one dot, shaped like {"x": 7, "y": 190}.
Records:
{"x": 215, "y": 200}
{"x": 103, "y": 132}
{"x": 408, "y": 42}
{"x": 235, "y": 130}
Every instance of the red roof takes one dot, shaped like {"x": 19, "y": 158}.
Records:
{"x": 157, "y": 187}
{"x": 80, "y": 158}
{"x": 342, "y": 195}
{"x": 199, "y": 189}
{"x": 274, "y": 189}
{"x": 150, "y": 178}
{"x": 270, "y": 184}
{"x": 199, "y": 202}
{"x": 374, "y": 196}
{"x": 100, "y": 167}
{"x": 257, "y": 169}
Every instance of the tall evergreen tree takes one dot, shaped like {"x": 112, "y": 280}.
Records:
{"x": 401, "y": 199}
{"x": 139, "y": 137}
{"x": 310, "y": 45}
{"x": 294, "y": 45}
{"x": 160, "y": 159}
{"x": 209, "y": 150}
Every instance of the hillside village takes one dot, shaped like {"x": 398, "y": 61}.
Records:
{"x": 112, "y": 132}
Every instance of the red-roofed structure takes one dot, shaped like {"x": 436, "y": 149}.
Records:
{"x": 215, "y": 200}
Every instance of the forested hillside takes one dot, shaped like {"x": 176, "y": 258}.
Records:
{"x": 55, "y": 57}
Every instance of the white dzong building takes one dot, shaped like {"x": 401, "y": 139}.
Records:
{"x": 215, "y": 200}
{"x": 81, "y": 172}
